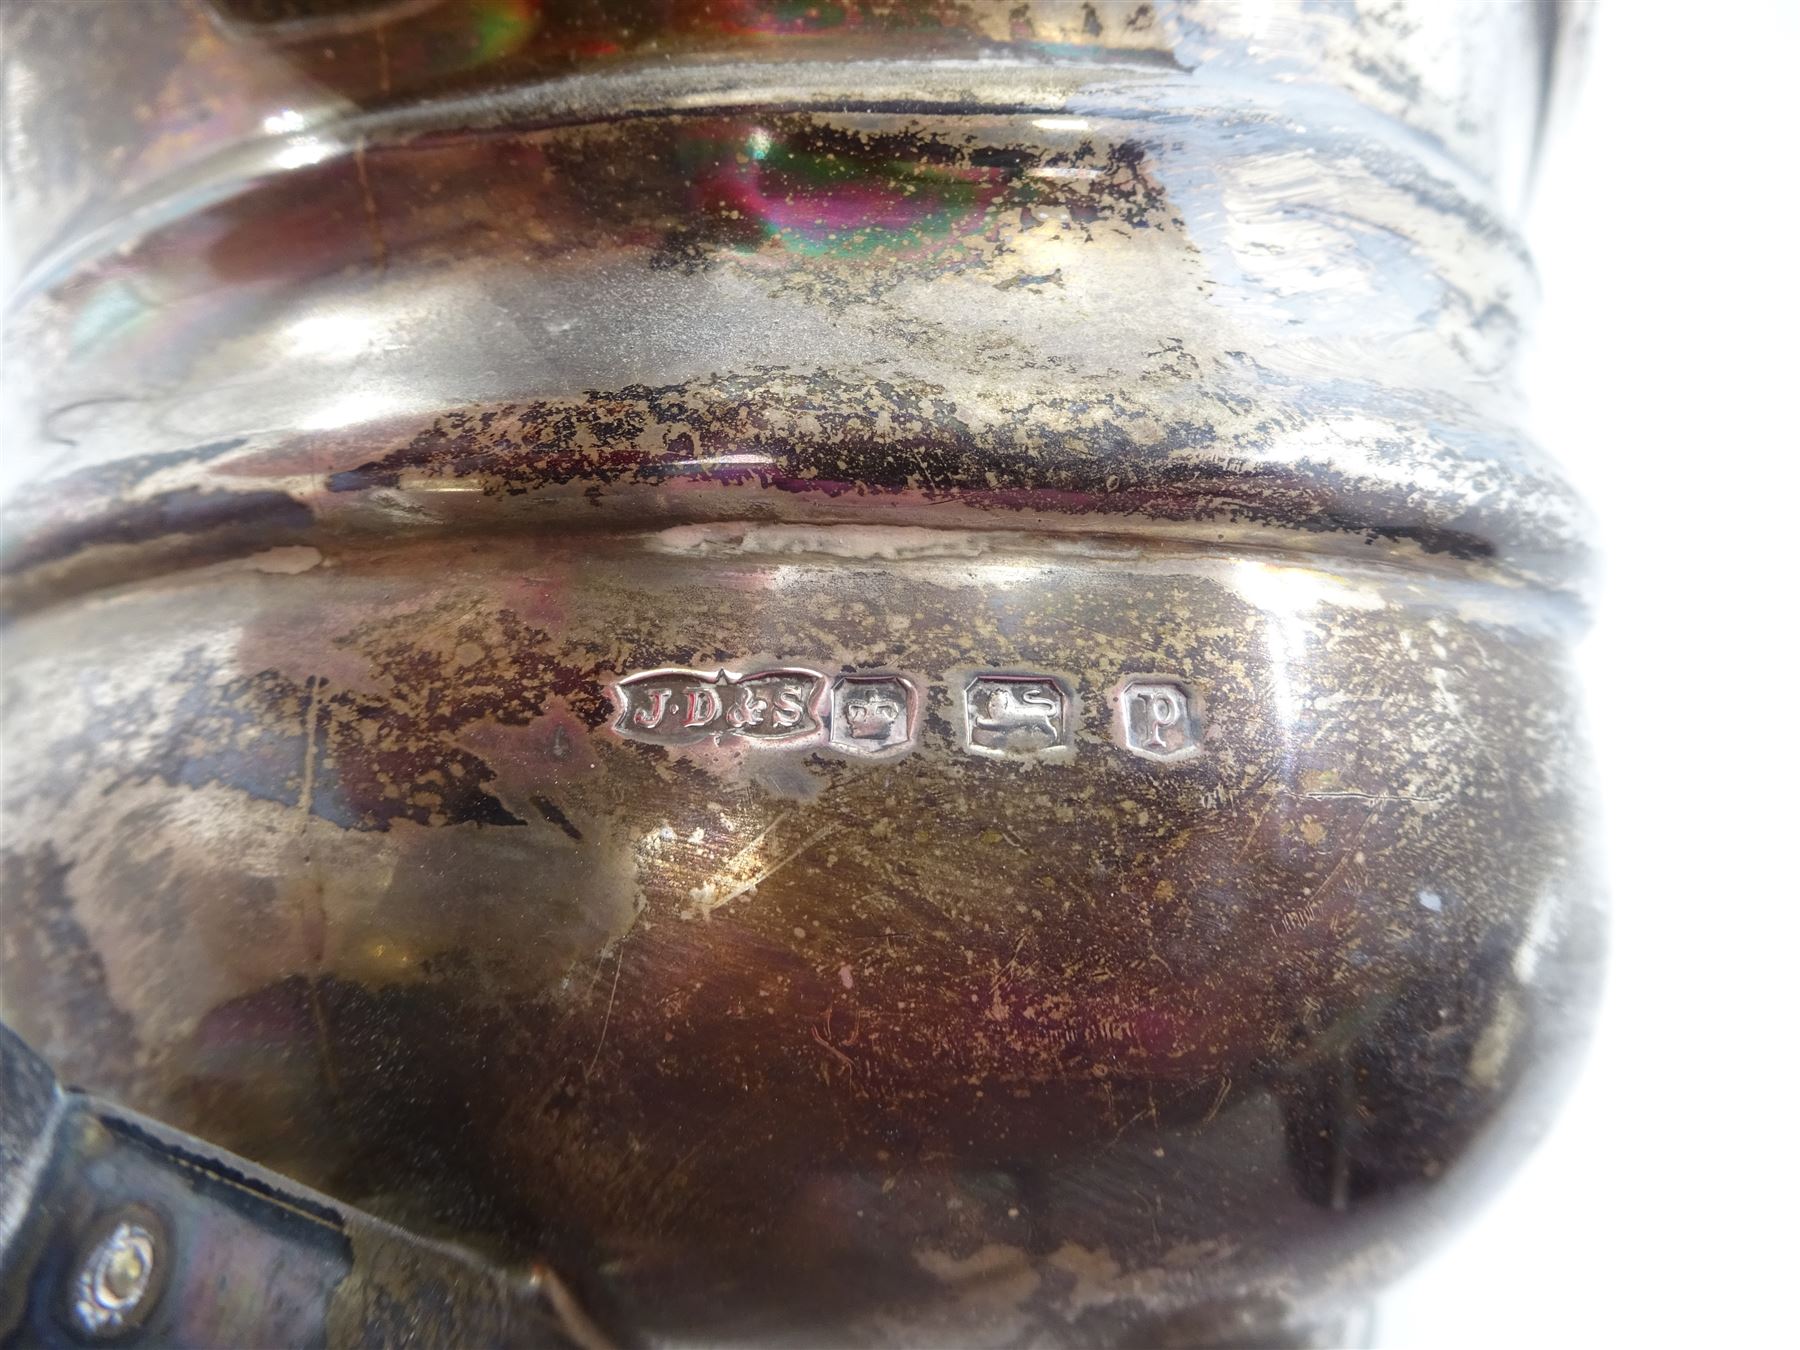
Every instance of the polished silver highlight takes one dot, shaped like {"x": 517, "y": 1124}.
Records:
{"x": 1157, "y": 717}
{"x": 1012, "y": 715}
{"x": 873, "y": 714}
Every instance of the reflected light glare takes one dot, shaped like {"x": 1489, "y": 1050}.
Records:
{"x": 281, "y": 123}
{"x": 1060, "y": 123}
{"x": 350, "y": 409}
{"x": 742, "y": 460}
{"x": 1282, "y": 594}
{"x": 1289, "y": 590}
{"x": 1013, "y": 574}
{"x": 302, "y": 151}
{"x": 330, "y": 334}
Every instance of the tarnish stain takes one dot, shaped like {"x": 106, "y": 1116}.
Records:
{"x": 992, "y": 1281}
{"x": 290, "y": 560}
{"x": 1494, "y": 1047}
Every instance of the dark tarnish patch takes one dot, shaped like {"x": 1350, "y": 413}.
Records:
{"x": 376, "y": 755}
{"x": 551, "y": 812}
{"x": 1097, "y": 455}
{"x": 118, "y": 475}
{"x": 378, "y": 764}
{"x": 232, "y": 1183}
{"x": 370, "y": 761}
{"x": 56, "y": 980}
{"x": 352, "y": 61}
{"x": 826, "y": 195}
{"x": 490, "y": 665}
{"x": 1362, "y": 1121}
{"x": 271, "y": 517}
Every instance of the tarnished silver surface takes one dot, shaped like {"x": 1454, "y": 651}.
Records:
{"x": 881, "y": 673}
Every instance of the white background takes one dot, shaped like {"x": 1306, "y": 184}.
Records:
{"x": 1661, "y": 1210}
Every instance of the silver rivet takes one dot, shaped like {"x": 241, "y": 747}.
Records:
{"x": 117, "y": 1279}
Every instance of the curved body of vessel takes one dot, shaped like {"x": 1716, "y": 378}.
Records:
{"x": 869, "y": 673}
